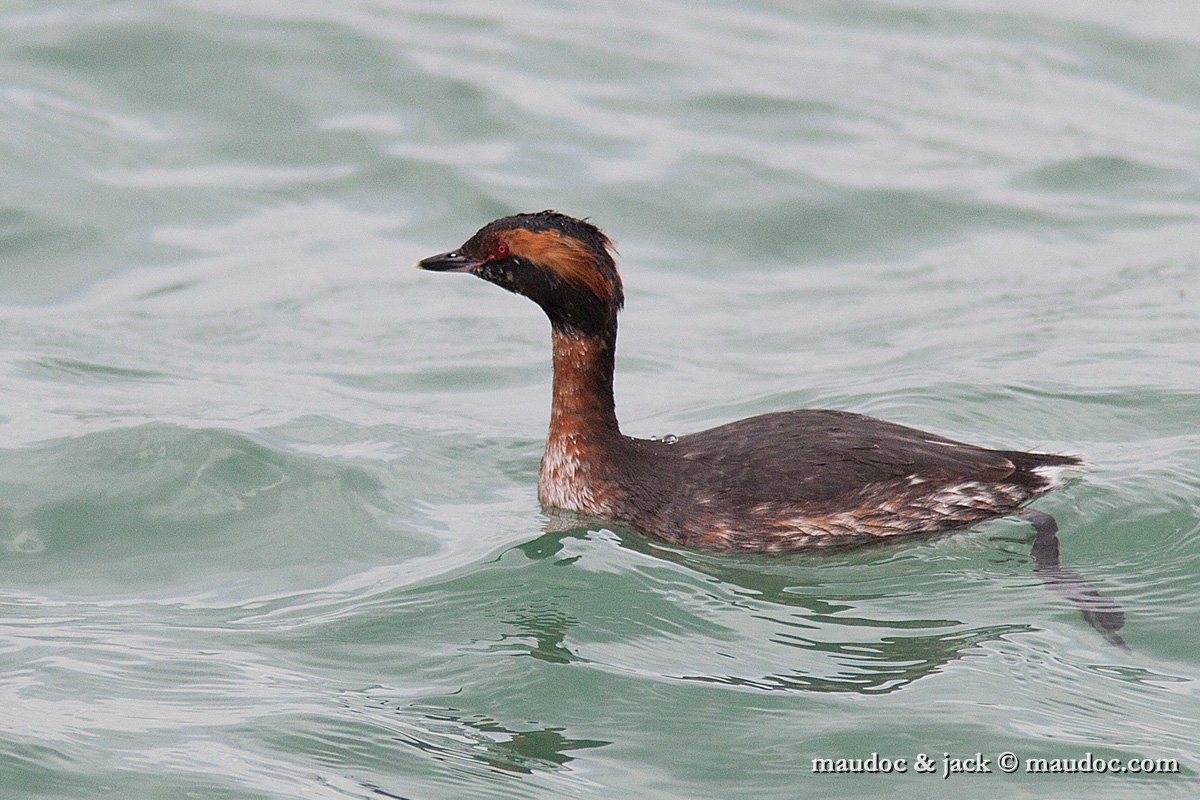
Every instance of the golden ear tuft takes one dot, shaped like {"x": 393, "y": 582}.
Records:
{"x": 570, "y": 259}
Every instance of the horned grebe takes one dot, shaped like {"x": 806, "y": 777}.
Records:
{"x": 777, "y": 482}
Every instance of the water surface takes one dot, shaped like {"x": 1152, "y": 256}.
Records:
{"x": 268, "y": 524}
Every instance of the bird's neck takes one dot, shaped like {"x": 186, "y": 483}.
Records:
{"x": 578, "y": 470}
{"x": 582, "y": 401}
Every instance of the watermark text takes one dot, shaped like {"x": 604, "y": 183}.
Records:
{"x": 947, "y": 765}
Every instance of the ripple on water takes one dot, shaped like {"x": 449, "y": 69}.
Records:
{"x": 132, "y": 509}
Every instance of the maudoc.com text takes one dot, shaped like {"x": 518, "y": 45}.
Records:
{"x": 946, "y": 765}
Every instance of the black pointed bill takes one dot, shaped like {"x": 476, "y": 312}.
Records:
{"x": 454, "y": 261}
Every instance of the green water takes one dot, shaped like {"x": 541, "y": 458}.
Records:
{"x": 268, "y": 524}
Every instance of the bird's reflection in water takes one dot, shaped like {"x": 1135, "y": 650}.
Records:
{"x": 540, "y": 633}
{"x": 447, "y": 733}
{"x": 1102, "y": 613}
{"x": 911, "y": 649}
{"x": 511, "y": 750}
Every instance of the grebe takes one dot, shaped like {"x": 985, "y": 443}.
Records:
{"x": 778, "y": 482}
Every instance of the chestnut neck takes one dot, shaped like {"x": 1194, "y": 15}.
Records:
{"x": 582, "y": 399}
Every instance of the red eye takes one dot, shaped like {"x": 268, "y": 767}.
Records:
{"x": 500, "y": 248}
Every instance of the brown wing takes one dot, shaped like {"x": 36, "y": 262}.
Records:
{"x": 811, "y": 455}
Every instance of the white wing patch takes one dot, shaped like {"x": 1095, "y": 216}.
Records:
{"x": 1058, "y": 474}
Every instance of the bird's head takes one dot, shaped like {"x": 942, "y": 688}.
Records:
{"x": 563, "y": 264}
